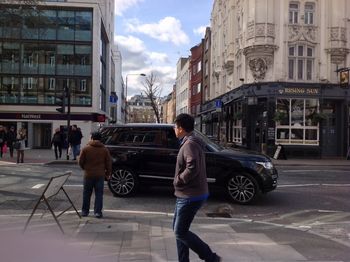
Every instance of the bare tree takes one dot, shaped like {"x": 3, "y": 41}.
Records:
{"x": 152, "y": 91}
{"x": 17, "y": 10}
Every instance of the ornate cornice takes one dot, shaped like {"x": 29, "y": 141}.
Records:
{"x": 338, "y": 55}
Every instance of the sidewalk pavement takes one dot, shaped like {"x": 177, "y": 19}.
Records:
{"x": 47, "y": 156}
{"x": 126, "y": 236}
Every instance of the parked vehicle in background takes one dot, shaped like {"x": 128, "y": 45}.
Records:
{"x": 145, "y": 154}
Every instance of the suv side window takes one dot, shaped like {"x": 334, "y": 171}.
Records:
{"x": 135, "y": 137}
{"x": 172, "y": 140}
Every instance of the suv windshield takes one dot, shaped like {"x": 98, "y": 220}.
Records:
{"x": 211, "y": 145}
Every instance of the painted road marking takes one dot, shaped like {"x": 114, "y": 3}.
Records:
{"x": 38, "y": 186}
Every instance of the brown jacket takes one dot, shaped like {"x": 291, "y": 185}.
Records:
{"x": 95, "y": 160}
{"x": 190, "y": 173}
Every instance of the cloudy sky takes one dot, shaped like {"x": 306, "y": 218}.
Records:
{"x": 153, "y": 34}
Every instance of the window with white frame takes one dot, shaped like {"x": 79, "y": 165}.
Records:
{"x": 309, "y": 13}
{"x": 199, "y": 66}
{"x": 295, "y": 122}
{"x": 301, "y": 62}
{"x": 293, "y": 12}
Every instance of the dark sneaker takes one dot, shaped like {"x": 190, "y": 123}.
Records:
{"x": 217, "y": 258}
{"x": 98, "y": 215}
{"x": 84, "y": 214}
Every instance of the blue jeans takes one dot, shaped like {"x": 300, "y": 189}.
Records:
{"x": 90, "y": 184}
{"x": 184, "y": 213}
{"x": 75, "y": 150}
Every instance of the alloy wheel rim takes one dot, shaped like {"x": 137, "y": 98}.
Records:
{"x": 241, "y": 189}
{"x": 122, "y": 182}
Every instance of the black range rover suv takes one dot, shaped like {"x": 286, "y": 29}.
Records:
{"x": 146, "y": 154}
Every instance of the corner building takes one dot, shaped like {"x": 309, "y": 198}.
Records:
{"x": 49, "y": 47}
{"x": 273, "y": 67}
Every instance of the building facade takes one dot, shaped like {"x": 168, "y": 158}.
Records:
{"x": 275, "y": 71}
{"x": 196, "y": 81}
{"x": 49, "y": 48}
{"x": 140, "y": 110}
{"x": 182, "y": 85}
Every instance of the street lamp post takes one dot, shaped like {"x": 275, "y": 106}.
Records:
{"x": 126, "y": 94}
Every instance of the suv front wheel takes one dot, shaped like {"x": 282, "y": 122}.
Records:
{"x": 123, "y": 182}
{"x": 242, "y": 188}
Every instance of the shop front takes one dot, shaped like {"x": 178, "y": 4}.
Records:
{"x": 307, "y": 120}
{"x": 40, "y": 126}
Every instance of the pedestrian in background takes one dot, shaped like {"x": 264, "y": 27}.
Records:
{"x": 74, "y": 140}
{"x": 11, "y": 139}
{"x": 191, "y": 190}
{"x": 57, "y": 141}
{"x": 96, "y": 162}
{"x": 21, "y": 137}
{"x": 2, "y": 139}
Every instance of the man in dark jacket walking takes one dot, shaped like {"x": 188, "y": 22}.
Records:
{"x": 74, "y": 140}
{"x": 96, "y": 162}
{"x": 11, "y": 139}
{"x": 191, "y": 190}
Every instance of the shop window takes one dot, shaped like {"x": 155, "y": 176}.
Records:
{"x": 295, "y": 123}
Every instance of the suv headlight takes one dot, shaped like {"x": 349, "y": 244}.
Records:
{"x": 266, "y": 165}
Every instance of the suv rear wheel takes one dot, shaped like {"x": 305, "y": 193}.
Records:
{"x": 123, "y": 182}
{"x": 242, "y": 188}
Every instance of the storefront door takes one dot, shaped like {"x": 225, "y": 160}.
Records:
{"x": 41, "y": 135}
{"x": 329, "y": 130}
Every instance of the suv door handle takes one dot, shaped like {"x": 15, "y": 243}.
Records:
{"x": 132, "y": 152}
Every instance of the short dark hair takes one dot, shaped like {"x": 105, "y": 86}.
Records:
{"x": 96, "y": 136}
{"x": 185, "y": 121}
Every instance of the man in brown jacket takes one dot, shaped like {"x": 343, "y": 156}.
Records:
{"x": 191, "y": 190}
{"x": 96, "y": 162}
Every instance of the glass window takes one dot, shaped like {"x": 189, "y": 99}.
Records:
{"x": 48, "y": 26}
{"x": 9, "y": 92}
{"x": 47, "y": 59}
{"x": 65, "y": 59}
{"x": 293, "y": 12}
{"x": 301, "y": 66}
{"x": 30, "y": 59}
{"x": 294, "y": 123}
{"x": 10, "y": 57}
{"x": 66, "y": 24}
{"x": 31, "y": 23}
{"x": 309, "y": 13}
{"x": 29, "y": 90}
{"x": 83, "y": 26}
{"x": 11, "y": 23}
{"x": 82, "y": 60}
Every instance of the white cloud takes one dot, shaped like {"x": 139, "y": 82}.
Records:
{"x": 136, "y": 59}
{"x": 158, "y": 57}
{"x": 200, "y": 30}
{"x": 122, "y": 5}
{"x": 167, "y": 29}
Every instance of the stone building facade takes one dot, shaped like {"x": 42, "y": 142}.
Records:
{"x": 275, "y": 75}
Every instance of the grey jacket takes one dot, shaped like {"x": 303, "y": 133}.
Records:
{"x": 190, "y": 173}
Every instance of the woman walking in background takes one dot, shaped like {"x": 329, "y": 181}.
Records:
{"x": 21, "y": 137}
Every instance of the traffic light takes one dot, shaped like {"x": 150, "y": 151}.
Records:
{"x": 60, "y": 100}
